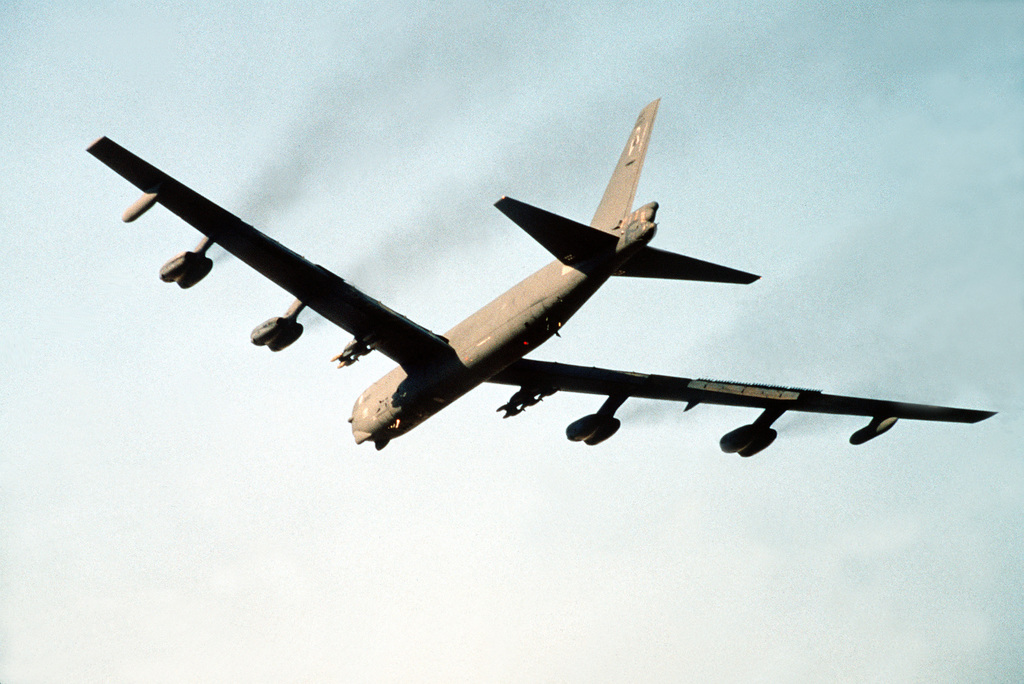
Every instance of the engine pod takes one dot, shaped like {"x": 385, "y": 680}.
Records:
{"x": 276, "y": 333}
{"x": 748, "y": 440}
{"x": 592, "y": 429}
{"x": 608, "y": 427}
{"x": 736, "y": 440}
{"x": 186, "y": 269}
{"x": 761, "y": 442}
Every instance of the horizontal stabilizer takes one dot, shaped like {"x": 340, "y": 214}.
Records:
{"x": 567, "y": 240}
{"x": 656, "y": 263}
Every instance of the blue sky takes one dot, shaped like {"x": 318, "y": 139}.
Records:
{"x": 179, "y": 505}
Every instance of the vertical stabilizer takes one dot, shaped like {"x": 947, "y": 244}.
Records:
{"x": 618, "y": 196}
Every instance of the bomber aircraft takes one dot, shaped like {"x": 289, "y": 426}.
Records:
{"x": 434, "y": 370}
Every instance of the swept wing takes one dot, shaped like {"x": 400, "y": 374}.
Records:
{"x": 329, "y": 295}
{"x": 550, "y": 377}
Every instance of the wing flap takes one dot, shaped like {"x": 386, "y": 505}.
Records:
{"x": 330, "y": 296}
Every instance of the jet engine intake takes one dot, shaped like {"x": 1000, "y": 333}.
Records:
{"x": 593, "y": 429}
{"x": 277, "y": 333}
{"x": 748, "y": 440}
{"x": 186, "y": 269}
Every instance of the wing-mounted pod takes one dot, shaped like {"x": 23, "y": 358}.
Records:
{"x": 188, "y": 268}
{"x": 281, "y": 331}
{"x": 358, "y": 347}
{"x": 873, "y": 429}
{"x": 751, "y": 439}
{"x": 185, "y": 269}
{"x": 597, "y": 427}
{"x": 523, "y": 399}
{"x": 141, "y": 205}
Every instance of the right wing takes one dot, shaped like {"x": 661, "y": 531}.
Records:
{"x": 322, "y": 291}
{"x": 550, "y": 377}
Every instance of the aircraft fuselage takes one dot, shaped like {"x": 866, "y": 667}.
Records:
{"x": 502, "y": 332}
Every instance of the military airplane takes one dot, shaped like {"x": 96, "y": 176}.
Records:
{"x": 434, "y": 370}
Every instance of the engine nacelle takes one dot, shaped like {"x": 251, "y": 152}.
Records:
{"x": 592, "y": 429}
{"x": 186, "y": 269}
{"x": 876, "y": 427}
{"x": 277, "y": 333}
{"x": 748, "y": 440}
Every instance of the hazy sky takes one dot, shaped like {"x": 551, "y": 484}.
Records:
{"x": 177, "y": 505}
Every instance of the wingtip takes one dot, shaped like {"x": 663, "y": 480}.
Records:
{"x": 744, "y": 278}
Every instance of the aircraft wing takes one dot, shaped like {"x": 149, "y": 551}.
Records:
{"x": 322, "y": 291}
{"x": 549, "y": 377}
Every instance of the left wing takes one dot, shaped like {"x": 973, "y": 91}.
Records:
{"x": 547, "y": 377}
{"x": 372, "y": 323}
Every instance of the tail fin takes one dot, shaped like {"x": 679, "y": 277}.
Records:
{"x": 618, "y": 196}
{"x": 571, "y": 242}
